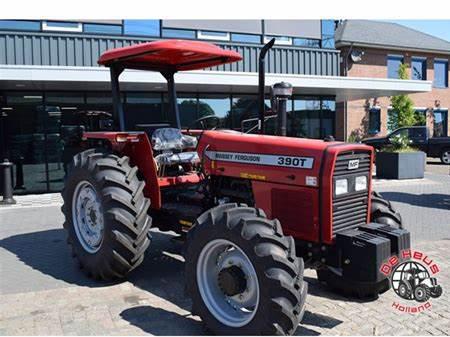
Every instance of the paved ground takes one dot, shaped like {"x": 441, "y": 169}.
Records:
{"x": 42, "y": 292}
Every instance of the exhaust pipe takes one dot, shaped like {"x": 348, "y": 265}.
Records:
{"x": 261, "y": 83}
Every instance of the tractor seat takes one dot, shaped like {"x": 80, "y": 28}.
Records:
{"x": 171, "y": 139}
{"x": 171, "y": 142}
{"x": 169, "y": 158}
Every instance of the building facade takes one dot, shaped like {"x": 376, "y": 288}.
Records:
{"x": 49, "y": 74}
{"x": 375, "y": 50}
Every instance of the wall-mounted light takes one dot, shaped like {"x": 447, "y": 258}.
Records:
{"x": 356, "y": 55}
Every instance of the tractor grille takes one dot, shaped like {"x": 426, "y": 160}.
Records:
{"x": 350, "y": 210}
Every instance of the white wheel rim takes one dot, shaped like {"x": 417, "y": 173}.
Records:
{"x": 237, "y": 310}
{"x": 446, "y": 157}
{"x": 87, "y": 217}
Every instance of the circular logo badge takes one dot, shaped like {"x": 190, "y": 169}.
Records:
{"x": 412, "y": 281}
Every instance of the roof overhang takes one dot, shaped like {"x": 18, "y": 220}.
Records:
{"x": 97, "y": 78}
{"x": 341, "y": 44}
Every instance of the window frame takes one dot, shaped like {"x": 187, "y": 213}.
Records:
{"x": 30, "y": 22}
{"x": 86, "y": 25}
{"x": 165, "y": 30}
{"x": 319, "y": 43}
{"x": 256, "y": 36}
{"x": 279, "y": 42}
{"x": 157, "y": 33}
{"x": 47, "y": 28}
{"x": 392, "y": 57}
{"x": 423, "y": 61}
{"x": 206, "y": 35}
{"x": 374, "y": 131}
{"x": 441, "y": 61}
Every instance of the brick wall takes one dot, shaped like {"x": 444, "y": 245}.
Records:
{"x": 374, "y": 64}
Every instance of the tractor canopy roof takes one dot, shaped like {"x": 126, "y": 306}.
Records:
{"x": 169, "y": 55}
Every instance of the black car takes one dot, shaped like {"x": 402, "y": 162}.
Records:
{"x": 436, "y": 147}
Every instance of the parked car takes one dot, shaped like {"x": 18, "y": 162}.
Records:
{"x": 436, "y": 147}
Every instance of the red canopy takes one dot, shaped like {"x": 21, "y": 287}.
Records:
{"x": 169, "y": 55}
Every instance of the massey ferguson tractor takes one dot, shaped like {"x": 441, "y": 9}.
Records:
{"x": 254, "y": 209}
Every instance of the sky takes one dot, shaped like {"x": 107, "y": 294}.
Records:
{"x": 438, "y": 28}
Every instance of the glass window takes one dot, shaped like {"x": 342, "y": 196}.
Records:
{"x": 310, "y": 43}
{"x": 328, "y": 117}
{"x": 393, "y": 65}
{"x": 99, "y": 101}
{"x": 188, "y": 109}
{"x": 306, "y": 118}
{"x": 312, "y": 117}
{"x": 328, "y": 33}
{"x": 218, "y": 105}
{"x": 207, "y": 35}
{"x": 243, "y": 108}
{"x": 282, "y": 40}
{"x": 392, "y": 120}
{"x": 246, "y": 38}
{"x": 25, "y": 125}
{"x": 178, "y": 33}
{"x": 421, "y": 116}
{"x": 62, "y": 26}
{"x": 102, "y": 29}
{"x": 374, "y": 120}
{"x": 440, "y": 74}
{"x": 400, "y": 133}
{"x": 20, "y": 25}
{"x": 417, "y": 133}
{"x": 440, "y": 123}
{"x": 142, "y": 27}
{"x": 143, "y": 108}
{"x": 64, "y": 113}
{"x": 419, "y": 68}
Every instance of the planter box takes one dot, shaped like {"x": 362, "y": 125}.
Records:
{"x": 405, "y": 165}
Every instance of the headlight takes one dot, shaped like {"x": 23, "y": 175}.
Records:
{"x": 361, "y": 183}
{"x": 341, "y": 186}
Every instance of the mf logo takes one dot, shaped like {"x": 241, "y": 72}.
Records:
{"x": 353, "y": 164}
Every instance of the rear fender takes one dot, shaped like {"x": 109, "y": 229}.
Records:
{"x": 136, "y": 146}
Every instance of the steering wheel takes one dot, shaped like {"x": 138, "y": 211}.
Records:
{"x": 204, "y": 124}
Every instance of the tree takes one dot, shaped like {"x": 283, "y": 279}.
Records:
{"x": 402, "y": 106}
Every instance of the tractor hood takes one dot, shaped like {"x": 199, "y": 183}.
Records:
{"x": 287, "y": 160}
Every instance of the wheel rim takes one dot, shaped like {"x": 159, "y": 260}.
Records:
{"x": 402, "y": 290}
{"x": 221, "y": 257}
{"x": 419, "y": 294}
{"x": 87, "y": 217}
{"x": 446, "y": 157}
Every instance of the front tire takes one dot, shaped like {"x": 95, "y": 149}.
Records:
{"x": 105, "y": 214}
{"x": 436, "y": 291}
{"x": 242, "y": 273}
{"x": 383, "y": 212}
{"x": 422, "y": 293}
{"x": 445, "y": 156}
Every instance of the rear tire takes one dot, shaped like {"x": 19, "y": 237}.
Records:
{"x": 279, "y": 305}
{"x": 436, "y": 291}
{"x": 111, "y": 185}
{"x": 404, "y": 291}
{"x": 383, "y": 212}
{"x": 445, "y": 156}
{"x": 422, "y": 293}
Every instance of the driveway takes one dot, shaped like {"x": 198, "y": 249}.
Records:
{"x": 44, "y": 293}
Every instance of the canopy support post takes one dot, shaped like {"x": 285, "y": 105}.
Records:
{"x": 173, "y": 106}
{"x": 118, "y": 116}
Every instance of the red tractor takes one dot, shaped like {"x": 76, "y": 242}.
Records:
{"x": 234, "y": 197}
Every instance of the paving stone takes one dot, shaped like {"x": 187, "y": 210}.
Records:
{"x": 41, "y": 291}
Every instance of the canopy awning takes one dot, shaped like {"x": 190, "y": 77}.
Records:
{"x": 97, "y": 78}
{"x": 169, "y": 55}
